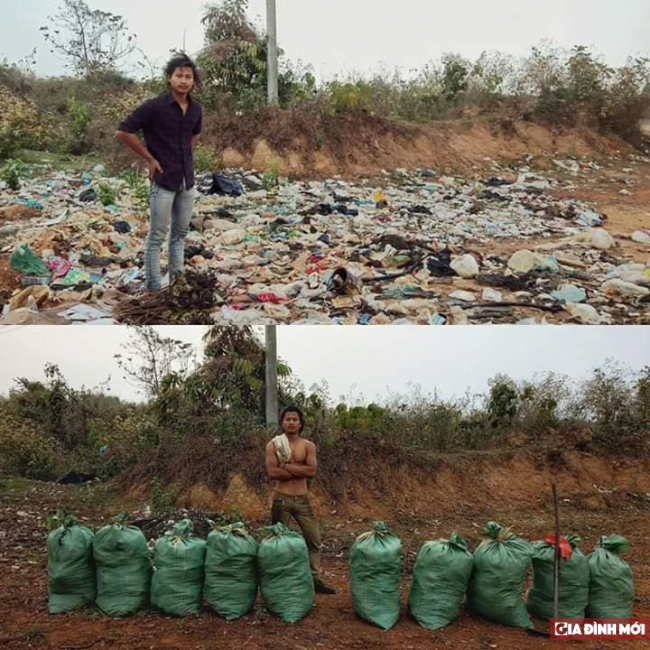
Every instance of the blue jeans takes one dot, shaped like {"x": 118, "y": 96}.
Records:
{"x": 167, "y": 208}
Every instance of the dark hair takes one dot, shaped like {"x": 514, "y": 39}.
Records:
{"x": 293, "y": 409}
{"x": 181, "y": 60}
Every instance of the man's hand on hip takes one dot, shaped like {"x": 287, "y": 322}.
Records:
{"x": 153, "y": 166}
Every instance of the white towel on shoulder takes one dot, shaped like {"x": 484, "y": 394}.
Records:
{"x": 282, "y": 448}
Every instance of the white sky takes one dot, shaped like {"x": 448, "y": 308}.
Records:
{"x": 339, "y": 36}
{"x": 448, "y": 360}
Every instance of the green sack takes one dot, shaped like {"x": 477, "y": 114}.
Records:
{"x": 177, "y": 583}
{"x": 24, "y": 260}
{"x": 440, "y": 576}
{"x": 500, "y": 565}
{"x": 285, "y": 577}
{"x": 574, "y": 581}
{"x": 231, "y": 571}
{"x": 123, "y": 569}
{"x": 70, "y": 567}
{"x": 611, "y": 588}
{"x": 375, "y": 559}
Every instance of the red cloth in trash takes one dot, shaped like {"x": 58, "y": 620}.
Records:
{"x": 565, "y": 547}
{"x": 269, "y": 297}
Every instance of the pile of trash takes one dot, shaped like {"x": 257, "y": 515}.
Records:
{"x": 408, "y": 247}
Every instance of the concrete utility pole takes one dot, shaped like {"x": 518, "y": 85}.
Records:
{"x": 270, "y": 336}
{"x": 270, "y": 331}
{"x": 272, "y": 57}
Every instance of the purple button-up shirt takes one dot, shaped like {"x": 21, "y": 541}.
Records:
{"x": 168, "y": 136}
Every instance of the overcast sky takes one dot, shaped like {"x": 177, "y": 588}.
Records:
{"x": 355, "y": 361}
{"x": 339, "y": 36}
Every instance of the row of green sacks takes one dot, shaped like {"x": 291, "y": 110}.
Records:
{"x": 596, "y": 586}
{"x": 231, "y": 564}
{"x": 113, "y": 569}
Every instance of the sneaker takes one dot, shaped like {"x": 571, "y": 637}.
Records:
{"x": 322, "y": 588}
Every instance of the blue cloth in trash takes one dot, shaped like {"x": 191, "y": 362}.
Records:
{"x": 225, "y": 186}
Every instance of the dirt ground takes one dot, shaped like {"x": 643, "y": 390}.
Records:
{"x": 25, "y": 623}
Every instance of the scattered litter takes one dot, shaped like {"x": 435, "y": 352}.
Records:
{"x": 464, "y": 296}
{"x": 622, "y": 288}
{"x": 84, "y": 313}
{"x": 88, "y": 195}
{"x": 466, "y": 266}
{"x": 641, "y": 236}
{"x": 569, "y": 293}
{"x": 409, "y": 246}
{"x": 597, "y": 238}
{"x": 585, "y": 314}
{"x": 492, "y": 295}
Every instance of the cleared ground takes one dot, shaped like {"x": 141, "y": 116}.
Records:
{"x": 602, "y": 509}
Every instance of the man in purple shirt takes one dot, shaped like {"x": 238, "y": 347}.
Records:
{"x": 171, "y": 124}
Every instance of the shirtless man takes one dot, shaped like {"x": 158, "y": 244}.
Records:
{"x": 290, "y": 498}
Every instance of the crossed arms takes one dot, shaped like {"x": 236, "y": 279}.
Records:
{"x": 290, "y": 471}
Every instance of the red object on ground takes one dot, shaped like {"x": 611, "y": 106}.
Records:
{"x": 269, "y": 297}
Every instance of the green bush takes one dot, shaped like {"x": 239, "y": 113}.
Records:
{"x": 360, "y": 419}
{"x": 80, "y": 118}
{"x": 107, "y": 194}
{"x": 12, "y": 172}
{"x": 205, "y": 160}
{"x": 609, "y": 403}
{"x": 26, "y": 452}
{"x": 119, "y": 442}
{"x": 20, "y": 124}
{"x": 137, "y": 182}
{"x": 349, "y": 96}
{"x": 161, "y": 501}
{"x": 16, "y": 80}
{"x": 270, "y": 178}
{"x": 628, "y": 100}
{"x": 503, "y": 401}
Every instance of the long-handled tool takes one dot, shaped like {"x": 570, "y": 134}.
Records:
{"x": 556, "y": 568}
{"x": 556, "y": 562}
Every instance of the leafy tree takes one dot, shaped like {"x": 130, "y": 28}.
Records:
{"x": 230, "y": 381}
{"x": 587, "y": 77}
{"x": 642, "y": 399}
{"x": 541, "y": 404}
{"x": 58, "y": 411}
{"x": 491, "y": 77}
{"x": 92, "y": 41}
{"x": 151, "y": 357}
{"x": 543, "y": 72}
{"x": 454, "y": 76}
{"x": 44, "y": 404}
{"x": 503, "y": 401}
{"x": 235, "y": 367}
{"x": 628, "y": 100}
{"x": 609, "y": 402}
{"x": 18, "y": 77}
{"x": 234, "y": 61}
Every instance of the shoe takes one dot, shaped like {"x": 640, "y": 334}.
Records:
{"x": 322, "y": 588}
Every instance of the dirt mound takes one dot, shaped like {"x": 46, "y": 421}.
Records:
{"x": 424, "y": 485}
{"x": 312, "y": 146}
